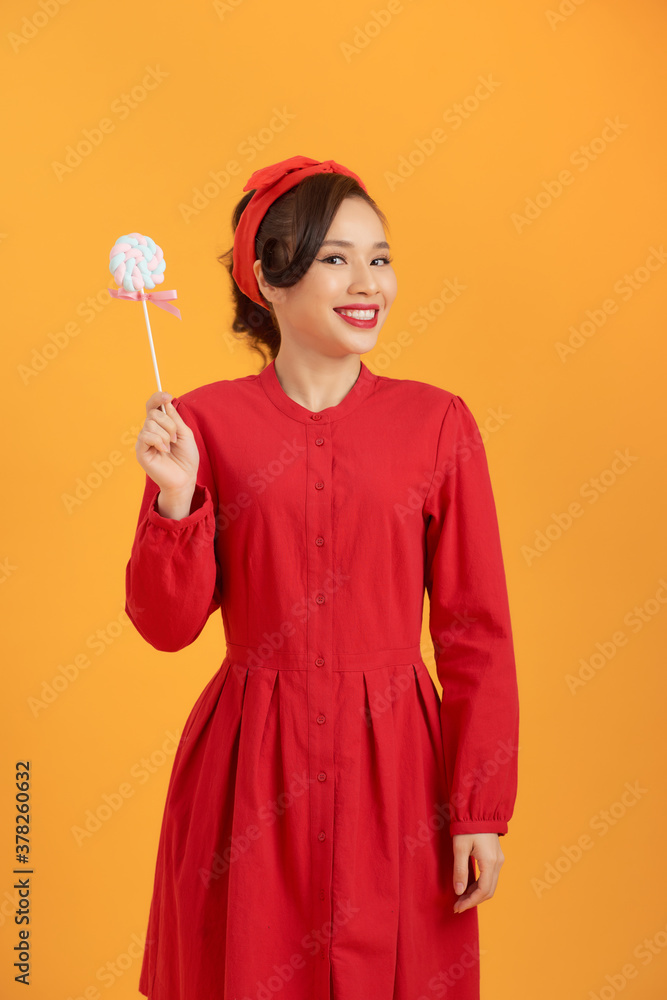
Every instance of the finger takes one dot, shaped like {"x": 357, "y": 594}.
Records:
{"x": 471, "y": 897}
{"x": 464, "y": 901}
{"x": 181, "y": 425}
{"x": 487, "y": 880}
{"x": 153, "y": 439}
{"x": 460, "y": 875}
{"x": 170, "y": 418}
{"x": 164, "y": 420}
{"x": 479, "y": 890}
{"x": 156, "y": 426}
{"x": 157, "y": 398}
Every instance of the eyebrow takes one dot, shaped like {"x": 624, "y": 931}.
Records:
{"x": 347, "y": 243}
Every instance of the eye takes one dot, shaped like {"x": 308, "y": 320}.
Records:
{"x": 337, "y": 256}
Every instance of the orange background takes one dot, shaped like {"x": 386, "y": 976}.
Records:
{"x": 369, "y": 86}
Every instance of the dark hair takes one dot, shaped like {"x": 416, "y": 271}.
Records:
{"x": 300, "y": 219}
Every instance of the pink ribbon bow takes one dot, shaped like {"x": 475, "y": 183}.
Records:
{"x": 157, "y": 298}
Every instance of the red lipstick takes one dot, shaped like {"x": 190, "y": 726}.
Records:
{"x": 364, "y": 324}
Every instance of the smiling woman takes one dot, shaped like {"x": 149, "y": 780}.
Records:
{"x": 295, "y": 230}
{"x": 325, "y": 805}
{"x": 336, "y": 310}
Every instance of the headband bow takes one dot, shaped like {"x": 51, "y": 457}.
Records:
{"x": 269, "y": 183}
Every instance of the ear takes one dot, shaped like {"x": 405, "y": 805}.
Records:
{"x": 270, "y": 292}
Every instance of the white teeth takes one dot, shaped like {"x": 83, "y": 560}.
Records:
{"x": 358, "y": 313}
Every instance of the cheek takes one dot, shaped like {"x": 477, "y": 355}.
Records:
{"x": 328, "y": 291}
{"x": 390, "y": 286}
{"x": 320, "y": 290}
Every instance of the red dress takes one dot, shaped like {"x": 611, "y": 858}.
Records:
{"x": 305, "y": 851}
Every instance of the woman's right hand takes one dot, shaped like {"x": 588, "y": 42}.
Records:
{"x": 166, "y": 448}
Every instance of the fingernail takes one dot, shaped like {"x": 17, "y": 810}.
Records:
{"x": 459, "y": 886}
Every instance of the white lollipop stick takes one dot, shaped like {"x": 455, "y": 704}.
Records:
{"x": 150, "y": 341}
{"x": 137, "y": 262}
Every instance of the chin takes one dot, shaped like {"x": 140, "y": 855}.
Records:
{"x": 366, "y": 340}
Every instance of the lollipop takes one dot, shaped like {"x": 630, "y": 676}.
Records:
{"x": 137, "y": 262}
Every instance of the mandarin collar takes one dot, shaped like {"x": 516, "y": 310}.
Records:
{"x": 360, "y": 390}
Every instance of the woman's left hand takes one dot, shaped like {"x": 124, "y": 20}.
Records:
{"x": 485, "y": 849}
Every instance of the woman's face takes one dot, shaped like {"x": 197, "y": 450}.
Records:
{"x": 354, "y": 275}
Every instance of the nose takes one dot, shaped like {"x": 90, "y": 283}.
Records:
{"x": 364, "y": 279}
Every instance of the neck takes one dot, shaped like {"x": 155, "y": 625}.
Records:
{"x": 315, "y": 381}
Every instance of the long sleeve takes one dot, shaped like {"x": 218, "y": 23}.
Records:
{"x": 469, "y": 623}
{"x": 172, "y": 579}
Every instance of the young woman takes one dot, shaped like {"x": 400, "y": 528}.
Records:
{"x": 325, "y": 805}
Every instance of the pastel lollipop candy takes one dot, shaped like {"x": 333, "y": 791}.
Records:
{"x": 136, "y": 262}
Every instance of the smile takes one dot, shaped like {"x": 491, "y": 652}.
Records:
{"x": 364, "y": 318}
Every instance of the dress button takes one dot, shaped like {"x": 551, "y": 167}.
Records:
{"x": 321, "y": 719}
{"x": 315, "y": 416}
{"x": 319, "y": 441}
{"x": 321, "y": 835}
{"x": 319, "y": 541}
{"x": 322, "y": 776}
{"x": 319, "y": 662}
{"x": 319, "y": 486}
{"x": 321, "y": 893}
{"x": 320, "y": 598}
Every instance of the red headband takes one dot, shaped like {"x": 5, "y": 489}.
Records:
{"x": 269, "y": 183}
